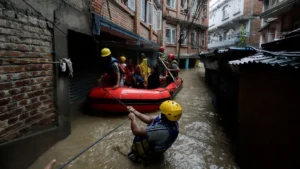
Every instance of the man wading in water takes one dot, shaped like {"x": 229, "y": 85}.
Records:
{"x": 160, "y": 133}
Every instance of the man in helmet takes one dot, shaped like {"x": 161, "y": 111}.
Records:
{"x": 160, "y": 133}
{"x": 172, "y": 67}
{"x": 113, "y": 75}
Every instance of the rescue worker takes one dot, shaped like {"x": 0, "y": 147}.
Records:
{"x": 160, "y": 133}
{"x": 161, "y": 67}
{"x": 113, "y": 75}
{"x": 172, "y": 67}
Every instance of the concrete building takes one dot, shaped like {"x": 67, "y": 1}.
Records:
{"x": 226, "y": 19}
{"x": 181, "y": 17}
{"x": 279, "y": 17}
{"x": 37, "y": 99}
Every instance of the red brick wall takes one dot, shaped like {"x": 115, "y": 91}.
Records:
{"x": 144, "y": 31}
{"x": 119, "y": 13}
{"x": 26, "y": 88}
{"x": 170, "y": 49}
{"x": 255, "y": 37}
{"x": 247, "y": 7}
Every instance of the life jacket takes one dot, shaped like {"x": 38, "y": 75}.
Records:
{"x": 112, "y": 75}
{"x": 175, "y": 74}
{"x": 143, "y": 147}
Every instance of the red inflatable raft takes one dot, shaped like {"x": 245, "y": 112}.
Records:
{"x": 143, "y": 100}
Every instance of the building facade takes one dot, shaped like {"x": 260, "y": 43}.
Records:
{"x": 37, "y": 98}
{"x": 188, "y": 20}
{"x": 279, "y": 17}
{"x": 234, "y": 22}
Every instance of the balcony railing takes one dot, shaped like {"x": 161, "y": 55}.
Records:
{"x": 223, "y": 43}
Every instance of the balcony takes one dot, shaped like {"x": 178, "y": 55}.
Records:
{"x": 223, "y": 44}
{"x": 278, "y": 7}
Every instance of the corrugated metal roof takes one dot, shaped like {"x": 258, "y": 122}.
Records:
{"x": 269, "y": 60}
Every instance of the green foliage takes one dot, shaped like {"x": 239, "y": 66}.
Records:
{"x": 242, "y": 39}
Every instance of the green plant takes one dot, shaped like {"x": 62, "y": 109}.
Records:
{"x": 242, "y": 39}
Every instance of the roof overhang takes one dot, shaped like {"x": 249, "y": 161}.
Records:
{"x": 280, "y": 8}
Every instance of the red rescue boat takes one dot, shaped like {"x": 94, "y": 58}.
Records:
{"x": 143, "y": 100}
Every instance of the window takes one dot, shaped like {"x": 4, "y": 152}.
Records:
{"x": 131, "y": 4}
{"x": 149, "y": 11}
{"x": 184, "y": 37}
{"x": 195, "y": 9}
{"x": 184, "y": 6}
{"x": 225, "y": 12}
{"x": 204, "y": 9}
{"x": 203, "y": 37}
{"x": 157, "y": 19}
{"x": 170, "y": 34}
{"x": 194, "y": 38}
{"x": 238, "y": 6}
{"x": 230, "y": 34}
{"x": 171, "y": 3}
{"x": 143, "y": 10}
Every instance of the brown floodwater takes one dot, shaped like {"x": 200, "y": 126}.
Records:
{"x": 201, "y": 143}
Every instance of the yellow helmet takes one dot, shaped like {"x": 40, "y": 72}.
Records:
{"x": 171, "y": 109}
{"x": 105, "y": 52}
{"x": 123, "y": 58}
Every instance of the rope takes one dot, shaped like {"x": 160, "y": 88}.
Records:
{"x": 105, "y": 135}
{"x": 72, "y": 159}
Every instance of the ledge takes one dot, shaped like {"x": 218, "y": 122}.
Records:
{"x": 171, "y": 45}
{"x": 124, "y": 8}
{"x": 236, "y": 13}
{"x": 225, "y": 18}
{"x": 145, "y": 25}
{"x": 171, "y": 9}
{"x": 184, "y": 46}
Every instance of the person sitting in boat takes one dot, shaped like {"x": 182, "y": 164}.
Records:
{"x": 160, "y": 133}
{"x": 138, "y": 77}
{"x": 129, "y": 72}
{"x": 154, "y": 79}
{"x": 113, "y": 76}
{"x": 172, "y": 68}
{"x": 122, "y": 66}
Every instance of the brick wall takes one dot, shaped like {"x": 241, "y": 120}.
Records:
{"x": 144, "y": 31}
{"x": 170, "y": 49}
{"x": 26, "y": 88}
{"x": 247, "y": 7}
{"x": 255, "y": 37}
{"x": 120, "y": 14}
{"x": 154, "y": 38}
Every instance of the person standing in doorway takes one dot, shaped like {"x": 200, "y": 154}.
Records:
{"x": 159, "y": 134}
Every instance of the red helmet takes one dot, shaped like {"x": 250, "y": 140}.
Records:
{"x": 161, "y": 49}
{"x": 171, "y": 56}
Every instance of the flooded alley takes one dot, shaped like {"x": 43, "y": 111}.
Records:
{"x": 202, "y": 142}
